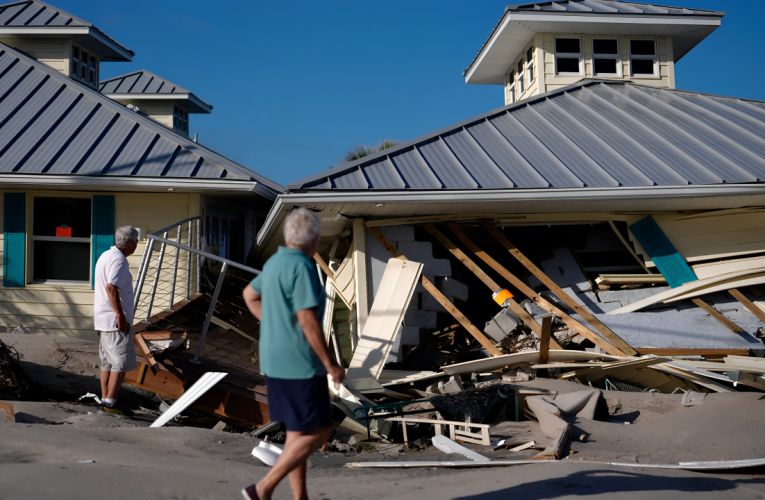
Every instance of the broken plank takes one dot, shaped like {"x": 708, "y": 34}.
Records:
{"x": 150, "y": 336}
{"x": 573, "y": 304}
{"x": 323, "y": 265}
{"x": 431, "y": 288}
{"x": 146, "y": 352}
{"x": 730, "y": 325}
{"x": 531, "y": 294}
{"x": 694, "y": 352}
{"x": 748, "y": 304}
{"x": 519, "y": 311}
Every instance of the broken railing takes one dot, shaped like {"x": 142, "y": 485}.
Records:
{"x": 175, "y": 268}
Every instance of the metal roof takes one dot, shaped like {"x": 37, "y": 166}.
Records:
{"x": 593, "y": 134}
{"x": 51, "y": 124}
{"x": 687, "y": 27}
{"x": 36, "y": 14}
{"x": 609, "y": 7}
{"x": 140, "y": 82}
{"x": 144, "y": 84}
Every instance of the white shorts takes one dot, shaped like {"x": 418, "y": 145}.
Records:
{"x": 117, "y": 351}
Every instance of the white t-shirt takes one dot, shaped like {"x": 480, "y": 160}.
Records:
{"x": 112, "y": 268}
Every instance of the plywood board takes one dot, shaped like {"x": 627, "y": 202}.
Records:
{"x": 385, "y": 317}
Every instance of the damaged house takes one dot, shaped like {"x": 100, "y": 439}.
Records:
{"x": 630, "y": 210}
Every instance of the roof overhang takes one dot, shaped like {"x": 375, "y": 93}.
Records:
{"x": 140, "y": 184}
{"x": 411, "y": 203}
{"x": 516, "y": 29}
{"x": 88, "y": 37}
{"x": 192, "y": 103}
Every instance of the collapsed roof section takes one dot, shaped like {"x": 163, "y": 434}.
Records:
{"x": 594, "y": 134}
{"x": 54, "y": 127}
{"x": 687, "y": 27}
{"x": 36, "y": 19}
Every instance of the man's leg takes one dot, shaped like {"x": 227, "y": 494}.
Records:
{"x": 105, "y": 384}
{"x": 298, "y": 447}
{"x": 115, "y": 382}
{"x": 297, "y": 481}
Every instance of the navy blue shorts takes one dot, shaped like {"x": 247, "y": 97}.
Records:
{"x": 302, "y": 404}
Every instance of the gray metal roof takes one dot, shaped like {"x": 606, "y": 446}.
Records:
{"x": 140, "y": 82}
{"x": 36, "y": 14}
{"x": 609, "y": 7}
{"x": 51, "y": 124}
{"x": 595, "y": 133}
{"x": 576, "y": 8}
{"x": 145, "y": 84}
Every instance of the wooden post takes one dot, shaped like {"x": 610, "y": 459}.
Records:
{"x": 146, "y": 352}
{"x": 527, "y": 319}
{"x": 431, "y": 288}
{"x": 554, "y": 288}
{"x": 544, "y": 339}
{"x": 360, "y": 278}
{"x": 748, "y": 304}
{"x": 323, "y": 265}
{"x": 531, "y": 294}
{"x": 717, "y": 315}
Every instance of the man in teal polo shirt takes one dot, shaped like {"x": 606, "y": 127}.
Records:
{"x": 288, "y": 299}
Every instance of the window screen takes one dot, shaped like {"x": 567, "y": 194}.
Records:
{"x": 61, "y": 239}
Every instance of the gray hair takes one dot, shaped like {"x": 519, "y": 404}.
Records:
{"x": 301, "y": 228}
{"x": 124, "y": 236}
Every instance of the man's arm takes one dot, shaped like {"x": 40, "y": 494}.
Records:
{"x": 114, "y": 297}
{"x": 315, "y": 335}
{"x": 252, "y": 299}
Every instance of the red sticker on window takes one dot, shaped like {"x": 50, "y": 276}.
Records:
{"x": 64, "y": 232}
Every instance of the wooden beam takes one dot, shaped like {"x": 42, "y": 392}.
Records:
{"x": 748, "y": 304}
{"x": 534, "y": 296}
{"x": 584, "y": 313}
{"x": 146, "y": 352}
{"x": 163, "y": 336}
{"x": 431, "y": 288}
{"x": 730, "y": 325}
{"x": 527, "y": 319}
{"x": 423, "y": 219}
{"x": 716, "y": 353}
{"x": 544, "y": 339}
{"x": 323, "y": 265}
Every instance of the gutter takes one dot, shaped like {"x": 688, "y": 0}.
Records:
{"x": 285, "y": 202}
{"x": 159, "y": 184}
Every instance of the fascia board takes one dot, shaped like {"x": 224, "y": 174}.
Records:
{"x": 506, "y": 195}
{"x": 278, "y": 211}
{"x": 198, "y": 105}
{"x": 540, "y": 19}
{"x": 122, "y": 54}
{"x": 154, "y": 183}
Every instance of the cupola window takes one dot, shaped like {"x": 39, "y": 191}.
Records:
{"x": 605, "y": 57}
{"x": 568, "y": 56}
{"x": 643, "y": 61}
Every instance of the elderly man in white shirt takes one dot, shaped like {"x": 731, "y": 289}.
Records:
{"x": 113, "y": 318}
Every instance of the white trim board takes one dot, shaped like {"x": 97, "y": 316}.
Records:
{"x": 196, "y": 391}
{"x": 385, "y": 317}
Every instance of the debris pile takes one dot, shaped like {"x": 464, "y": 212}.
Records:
{"x": 15, "y": 385}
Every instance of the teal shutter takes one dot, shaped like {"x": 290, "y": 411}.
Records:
{"x": 662, "y": 252}
{"x": 14, "y": 239}
{"x": 103, "y": 230}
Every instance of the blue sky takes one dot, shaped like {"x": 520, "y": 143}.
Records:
{"x": 294, "y": 84}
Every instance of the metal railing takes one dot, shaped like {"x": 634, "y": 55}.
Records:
{"x": 185, "y": 267}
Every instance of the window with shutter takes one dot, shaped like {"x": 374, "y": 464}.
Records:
{"x": 103, "y": 228}
{"x": 14, "y": 239}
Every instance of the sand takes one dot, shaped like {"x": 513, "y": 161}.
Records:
{"x": 66, "y": 451}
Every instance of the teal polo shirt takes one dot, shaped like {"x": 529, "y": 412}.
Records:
{"x": 289, "y": 283}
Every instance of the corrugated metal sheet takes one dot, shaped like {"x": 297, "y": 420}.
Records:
{"x": 33, "y": 13}
{"x": 140, "y": 82}
{"x": 50, "y": 124}
{"x": 595, "y": 133}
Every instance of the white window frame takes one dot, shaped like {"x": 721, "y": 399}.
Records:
{"x": 34, "y": 238}
{"x": 180, "y": 119}
{"x": 616, "y": 57}
{"x": 654, "y": 58}
{"x": 511, "y": 86}
{"x": 529, "y": 66}
{"x": 85, "y": 72}
{"x": 568, "y": 55}
{"x": 520, "y": 86}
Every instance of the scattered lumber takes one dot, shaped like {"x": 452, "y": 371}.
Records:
{"x": 431, "y": 288}
{"x": 455, "y": 433}
{"x": 592, "y": 320}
